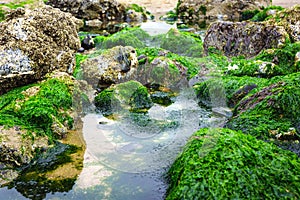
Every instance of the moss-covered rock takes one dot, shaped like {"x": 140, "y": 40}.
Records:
{"x": 268, "y": 63}
{"x": 128, "y": 96}
{"x": 134, "y": 37}
{"x": 33, "y": 116}
{"x": 272, "y": 111}
{"x": 224, "y": 164}
{"x": 232, "y": 88}
{"x": 182, "y": 43}
{"x": 290, "y": 20}
{"x": 196, "y": 12}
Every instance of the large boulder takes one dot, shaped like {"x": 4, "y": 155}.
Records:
{"x": 35, "y": 42}
{"x": 116, "y": 65}
{"x": 244, "y": 38}
{"x": 196, "y": 12}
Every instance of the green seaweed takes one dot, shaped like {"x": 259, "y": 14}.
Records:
{"x": 272, "y": 109}
{"x": 263, "y": 15}
{"x": 225, "y": 164}
{"x": 36, "y": 113}
{"x": 131, "y": 96}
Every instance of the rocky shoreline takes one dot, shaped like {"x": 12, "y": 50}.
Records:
{"x": 251, "y": 62}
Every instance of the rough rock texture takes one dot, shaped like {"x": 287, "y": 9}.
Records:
{"x": 191, "y": 11}
{"x": 164, "y": 72}
{"x": 96, "y": 13}
{"x": 114, "y": 66}
{"x": 15, "y": 149}
{"x": 290, "y": 20}
{"x": 35, "y": 42}
{"x": 244, "y": 38}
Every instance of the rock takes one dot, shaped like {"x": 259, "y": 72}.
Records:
{"x": 243, "y": 38}
{"x": 196, "y": 12}
{"x": 241, "y": 93}
{"x": 87, "y": 43}
{"x": 128, "y": 96}
{"x": 116, "y": 65}
{"x": 103, "y": 10}
{"x": 17, "y": 150}
{"x": 35, "y": 42}
{"x": 290, "y": 20}
{"x": 96, "y": 13}
{"x": 162, "y": 71}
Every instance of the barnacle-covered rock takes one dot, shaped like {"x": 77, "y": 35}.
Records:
{"x": 244, "y": 38}
{"x": 114, "y": 66}
{"x": 195, "y": 12}
{"x": 103, "y": 10}
{"x": 35, "y": 42}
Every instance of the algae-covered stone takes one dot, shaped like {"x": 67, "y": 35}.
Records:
{"x": 225, "y": 164}
{"x": 273, "y": 108}
{"x": 35, "y": 42}
{"x": 32, "y": 117}
{"x": 181, "y": 43}
{"x": 211, "y": 92}
{"x": 115, "y": 65}
{"x": 134, "y": 37}
{"x": 130, "y": 96}
{"x": 244, "y": 38}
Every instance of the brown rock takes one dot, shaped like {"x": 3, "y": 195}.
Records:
{"x": 243, "y": 38}
{"x": 35, "y": 42}
{"x": 195, "y": 12}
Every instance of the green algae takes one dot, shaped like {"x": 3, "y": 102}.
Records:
{"x": 131, "y": 96}
{"x": 263, "y": 15}
{"x": 225, "y": 164}
{"x": 14, "y": 5}
{"x": 37, "y": 112}
{"x": 270, "y": 112}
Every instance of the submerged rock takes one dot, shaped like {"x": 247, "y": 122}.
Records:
{"x": 116, "y": 65}
{"x": 244, "y": 38}
{"x": 35, "y": 42}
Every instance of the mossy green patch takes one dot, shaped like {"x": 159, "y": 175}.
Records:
{"x": 263, "y": 15}
{"x": 37, "y": 112}
{"x": 269, "y": 63}
{"x": 224, "y": 164}
{"x": 131, "y": 96}
{"x": 272, "y": 109}
{"x": 79, "y": 59}
{"x": 182, "y": 43}
{"x": 134, "y": 37}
